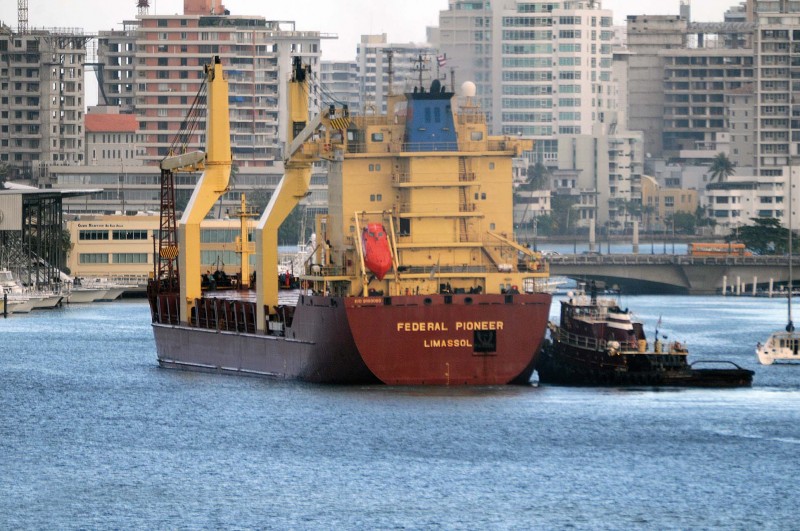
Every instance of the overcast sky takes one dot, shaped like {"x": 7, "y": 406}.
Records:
{"x": 402, "y": 20}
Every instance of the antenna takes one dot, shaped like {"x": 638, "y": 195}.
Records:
{"x": 22, "y": 16}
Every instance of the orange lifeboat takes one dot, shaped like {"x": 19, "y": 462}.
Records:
{"x": 377, "y": 254}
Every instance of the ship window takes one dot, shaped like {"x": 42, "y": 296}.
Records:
{"x": 483, "y": 195}
{"x": 377, "y": 137}
{"x": 380, "y": 197}
{"x": 437, "y": 115}
{"x": 477, "y": 196}
{"x": 405, "y": 227}
{"x": 476, "y": 135}
{"x": 428, "y": 115}
{"x": 491, "y": 226}
{"x": 371, "y": 167}
{"x": 491, "y": 165}
{"x": 372, "y": 197}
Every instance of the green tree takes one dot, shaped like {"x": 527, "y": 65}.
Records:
{"x": 721, "y": 168}
{"x": 5, "y": 170}
{"x": 538, "y": 177}
{"x": 765, "y": 236}
{"x": 562, "y": 212}
{"x": 685, "y": 222}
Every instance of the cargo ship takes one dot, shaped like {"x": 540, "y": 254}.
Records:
{"x": 416, "y": 278}
{"x": 597, "y": 343}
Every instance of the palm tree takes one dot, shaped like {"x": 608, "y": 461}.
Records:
{"x": 721, "y": 168}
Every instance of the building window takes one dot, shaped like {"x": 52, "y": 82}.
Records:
{"x": 129, "y": 235}
{"x": 93, "y": 258}
{"x": 93, "y": 235}
{"x": 129, "y": 258}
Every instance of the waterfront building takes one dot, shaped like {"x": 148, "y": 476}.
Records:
{"x": 121, "y": 248}
{"x": 660, "y": 203}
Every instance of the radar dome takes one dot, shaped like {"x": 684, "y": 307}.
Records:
{"x": 468, "y": 89}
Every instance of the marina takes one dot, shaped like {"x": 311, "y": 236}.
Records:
{"x": 95, "y": 434}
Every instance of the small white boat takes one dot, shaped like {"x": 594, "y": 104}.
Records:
{"x": 105, "y": 290}
{"x": 18, "y": 304}
{"x": 82, "y": 295}
{"x": 783, "y": 345}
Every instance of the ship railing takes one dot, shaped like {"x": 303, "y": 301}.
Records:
{"x": 414, "y": 147}
{"x": 443, "y": 270}
{"x": 590, "y": 343}
{"x": 214, "y": 313}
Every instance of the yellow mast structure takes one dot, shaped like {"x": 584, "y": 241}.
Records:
{"x": 212, "y": 184}
{"x": 243, "y": 245}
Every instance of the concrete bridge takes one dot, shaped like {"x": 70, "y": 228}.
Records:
{"x": 679, "y": 274}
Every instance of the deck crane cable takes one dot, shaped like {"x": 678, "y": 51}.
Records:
{"x": 194, "y": 117}
{"x": 325, "y": 92}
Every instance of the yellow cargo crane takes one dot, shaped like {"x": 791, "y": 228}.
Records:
{"x": 306, "y": 142}
{"x": 216, "y": 165}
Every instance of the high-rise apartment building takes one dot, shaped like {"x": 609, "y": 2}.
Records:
{"x": 680, "y": 75}
{"x": 41, "y": 99}
{"x": 777, "y": 62}
{"x": 154, "y": 67}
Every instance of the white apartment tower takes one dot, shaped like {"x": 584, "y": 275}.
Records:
{"x": 541, "y": 68}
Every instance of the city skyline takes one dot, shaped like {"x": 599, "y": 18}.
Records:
{"x": 401, "y": 20}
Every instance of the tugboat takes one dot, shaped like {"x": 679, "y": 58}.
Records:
{"x": 597, "y": 343}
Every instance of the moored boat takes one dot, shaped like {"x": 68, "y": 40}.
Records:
{"x": 597, "y": 343}
{"x": 418, "y": 281}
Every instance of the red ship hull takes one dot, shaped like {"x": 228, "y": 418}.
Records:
{"x": 449, "y": 339}
{"x": 407, "y": 340}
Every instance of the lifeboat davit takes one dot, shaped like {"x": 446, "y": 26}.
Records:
{"x": 377, "y": 254}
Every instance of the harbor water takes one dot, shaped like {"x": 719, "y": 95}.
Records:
{"x": 93, "y": 435}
